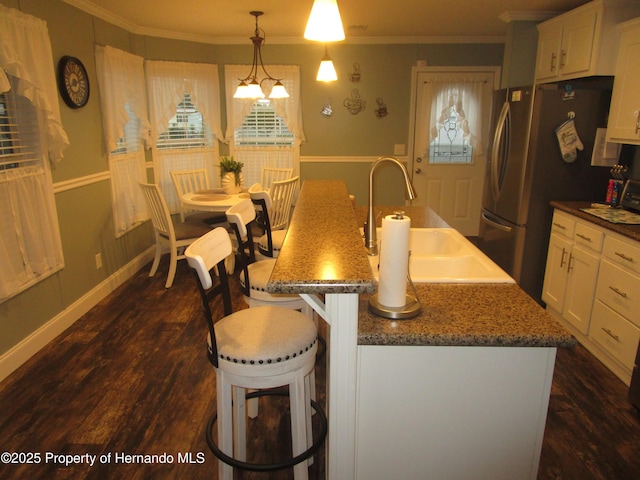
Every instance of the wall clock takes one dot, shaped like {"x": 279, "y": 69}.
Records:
{"x": 73, "y": 82}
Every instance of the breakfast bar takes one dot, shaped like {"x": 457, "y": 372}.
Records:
{"x": 461, "y": 388}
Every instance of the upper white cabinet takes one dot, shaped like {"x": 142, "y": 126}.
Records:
{"x": 624, "y": 116}
{"x": 582, "y": 42}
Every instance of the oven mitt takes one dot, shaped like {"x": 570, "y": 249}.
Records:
{"x": 569, "y": 141}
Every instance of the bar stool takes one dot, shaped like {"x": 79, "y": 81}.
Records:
{"x": 254, "y": 349}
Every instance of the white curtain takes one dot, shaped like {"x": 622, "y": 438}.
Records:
{"x": 122, "y": 87}
{"x": 290, "y": 109}
{"x": 466, "y": 96}
{"x": 121, "y": 81}
{"x": 25, "y": 53}
{"x": 167, "y": 82}
{"x": 29, "y": 237}
{"x": 30, "y": 245}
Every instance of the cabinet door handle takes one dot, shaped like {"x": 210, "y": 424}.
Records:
{"x": 624, "y": 257}
{"x": 570, "y": 266}
{"x": 584, "y": 237}
{"x": 553, "y": 62}
{"x": 562, "y": 262}
{"x": 615, "y": 289}
{"x": 563, "y": 57}
{"x": 559, "y": 225}
{"x": 637, "y": 121}
{"x": 611, "y": 334}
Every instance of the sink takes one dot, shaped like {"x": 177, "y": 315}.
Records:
{"x": 444, "y": 255}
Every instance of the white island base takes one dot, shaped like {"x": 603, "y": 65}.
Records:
{"x": 446, "y": 412}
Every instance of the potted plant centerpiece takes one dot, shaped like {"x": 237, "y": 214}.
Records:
{"x": 231, "y": 175}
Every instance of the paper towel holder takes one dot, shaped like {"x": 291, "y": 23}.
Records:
{"x": 412, "y": 306}
{"x": 410, "y": 309}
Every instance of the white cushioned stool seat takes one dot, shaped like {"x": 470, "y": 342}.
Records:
{"x": 264, "y": 336}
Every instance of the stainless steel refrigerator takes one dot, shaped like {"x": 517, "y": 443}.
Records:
{"x": 526, "y": 170}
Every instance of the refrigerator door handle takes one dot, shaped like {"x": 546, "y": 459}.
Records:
{"x": 495, "y": 223}
{"x": 497, "y": 164}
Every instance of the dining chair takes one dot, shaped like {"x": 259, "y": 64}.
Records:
{"x": 174, "y": 236}
{"x": 187, "y": 181}
{"x": 253, "y": 350}
{"x": 274, "y": 207}
{"x": 268, "y": 175}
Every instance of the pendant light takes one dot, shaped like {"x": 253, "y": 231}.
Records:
{"x": 326, "y": 71}
{"x": 324, "y": 24}
{"x": 249, "y": 86}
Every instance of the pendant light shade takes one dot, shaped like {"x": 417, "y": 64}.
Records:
{"x": 326, "y": 71}
{"x": 324, "y": 24}
{"x": 249, "y": 86}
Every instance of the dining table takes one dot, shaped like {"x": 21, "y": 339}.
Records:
{"x": 213, "y": 199}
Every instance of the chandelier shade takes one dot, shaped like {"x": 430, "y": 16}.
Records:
{"x": 324, "y": 24}
{"x": 249, "y": 86}
{"x": 326, "y": 71}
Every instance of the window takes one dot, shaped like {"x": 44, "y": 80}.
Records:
{"x": 263, "y": 127}
{"x": 29, "y": 235}
{"x": 122, "y": 86}
{"x": 186, "y": 128}
{"x": 454, "y": 108}
{"x": 19, "y": 136}
{"x": 265, "y": 133}
{"x": 451, "y": 144}
{"x": 184, "y": 111}
{"x": 130, "y": 141}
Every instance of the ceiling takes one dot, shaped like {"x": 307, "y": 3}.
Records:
{"x": 365, "y": 21}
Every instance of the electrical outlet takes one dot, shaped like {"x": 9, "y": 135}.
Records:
{"x": 399, "y": 149}
{"x": 98, "y": 261}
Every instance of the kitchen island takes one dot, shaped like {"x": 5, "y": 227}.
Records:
{"x": 461, "y": 391}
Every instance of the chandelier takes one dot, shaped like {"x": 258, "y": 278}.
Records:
{"x": 249, "y": 86}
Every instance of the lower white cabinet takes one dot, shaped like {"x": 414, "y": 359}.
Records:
{"x": 592, "y": 285}
{"x": 572, "y": 270}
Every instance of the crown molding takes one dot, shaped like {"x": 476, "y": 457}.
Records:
{"x": 526, "y": 16}
{"x": 118, "y": 21}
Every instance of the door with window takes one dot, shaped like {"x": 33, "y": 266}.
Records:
{"x": 451, "y": 114}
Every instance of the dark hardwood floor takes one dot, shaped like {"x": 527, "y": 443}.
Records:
{"x": 131, "y": 377}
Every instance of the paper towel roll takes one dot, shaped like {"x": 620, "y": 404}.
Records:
{"x": 394, "y": 258}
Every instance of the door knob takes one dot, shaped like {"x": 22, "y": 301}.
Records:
{"x": 418, "y": 170}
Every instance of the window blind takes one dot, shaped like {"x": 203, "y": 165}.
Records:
{"x": 263, "y": 127}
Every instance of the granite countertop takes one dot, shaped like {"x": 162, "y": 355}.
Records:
{"x": 467, "y": 315}
{"x": 324, "y": 252}
{"x": 630, "y": 231}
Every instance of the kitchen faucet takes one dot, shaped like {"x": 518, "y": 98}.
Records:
{"x": 370, "y": 237}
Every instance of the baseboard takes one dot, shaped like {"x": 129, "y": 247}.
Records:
{"x": 24, "y": 350}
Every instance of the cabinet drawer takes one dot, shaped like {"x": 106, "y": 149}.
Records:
{"x": 563, "y": 225}
{"x": 622, "y": 253}
{"x": 588, "y": 237}
{"x": 620, "y": 290}
{"x": 613, "y": 333}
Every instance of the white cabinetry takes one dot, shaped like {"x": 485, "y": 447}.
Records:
{"x": 582, "y": 42}
{"x": 572, "y": 269}
{"x": 616, "y": 312}
{"x": 592, "y": 285}
{"x": 624, "y": 117}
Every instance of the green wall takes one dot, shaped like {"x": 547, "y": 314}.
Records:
{"x": 85, "y": 212}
